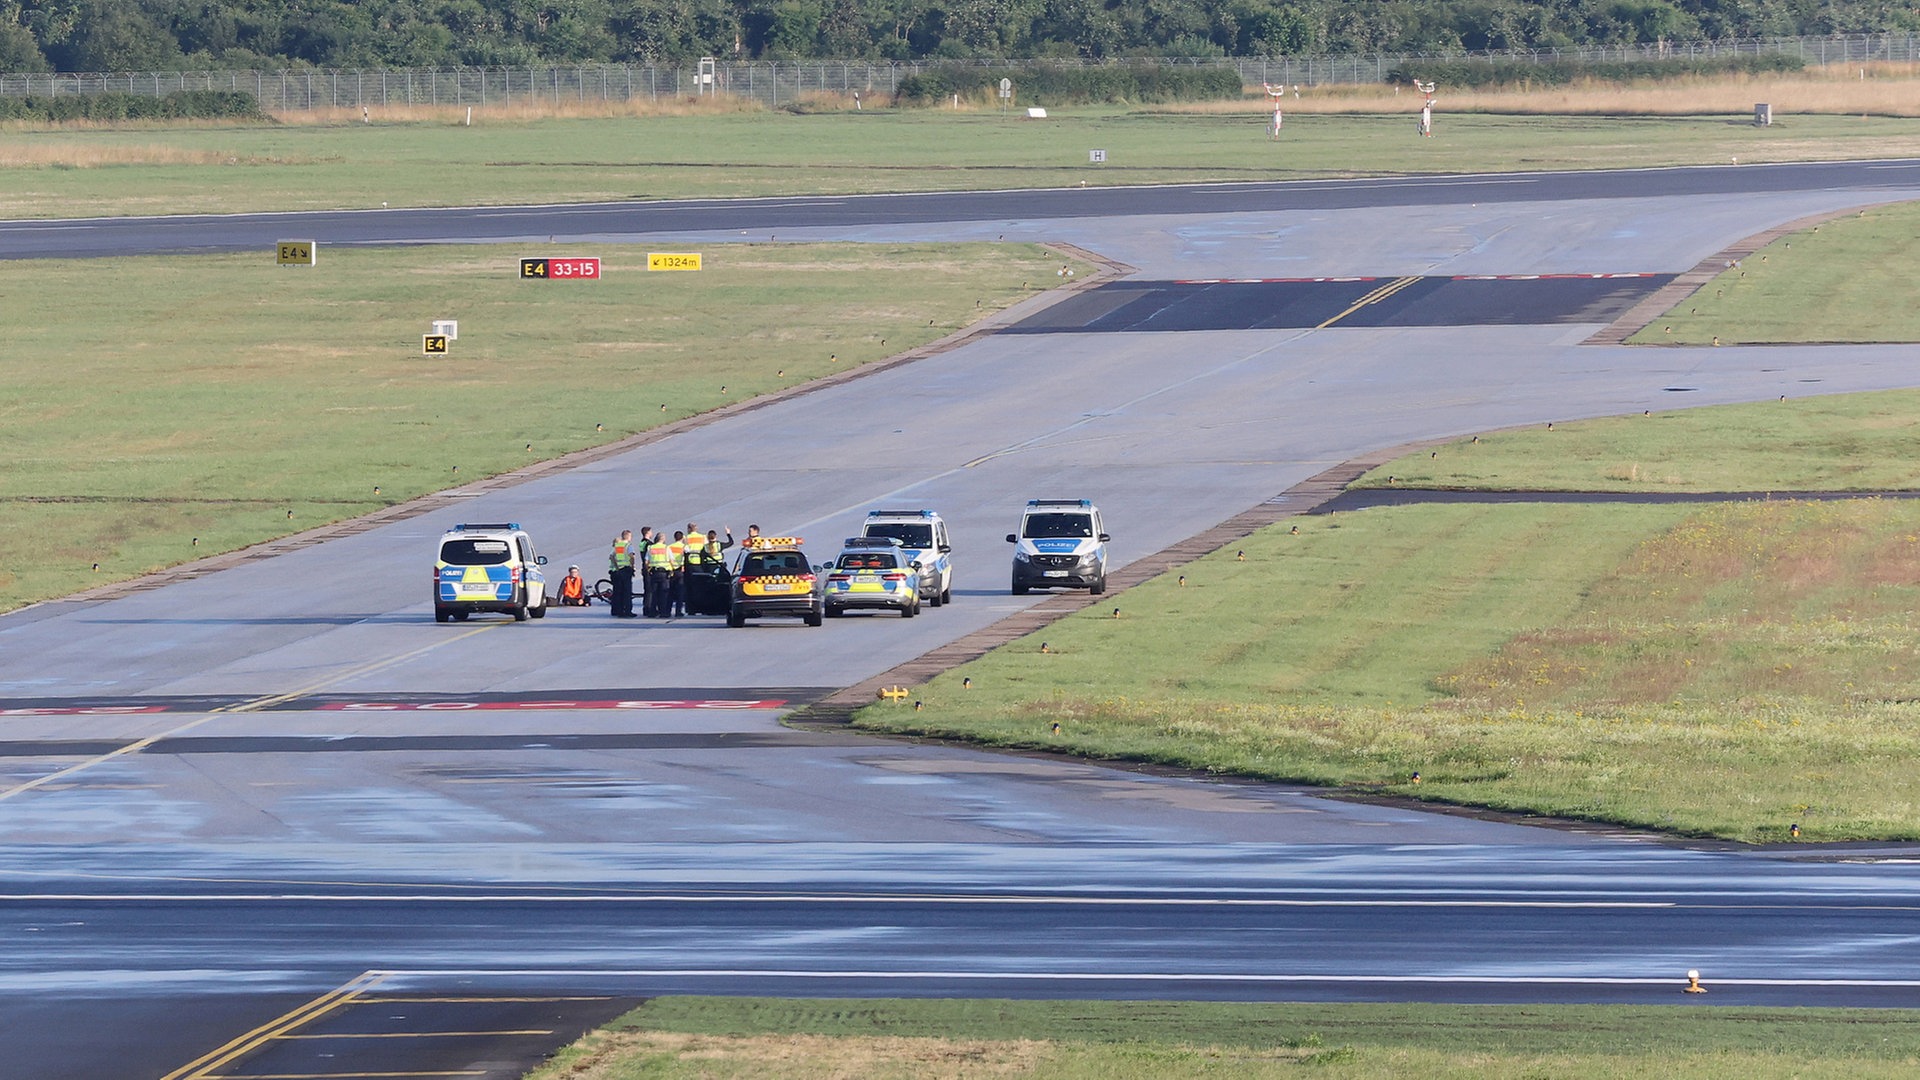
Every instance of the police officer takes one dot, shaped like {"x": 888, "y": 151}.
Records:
{"x": 640, "y": 561}
{"x": 620, "y": 569}
{"x": 677, "y": 560}
{"x": 659, "y": 578}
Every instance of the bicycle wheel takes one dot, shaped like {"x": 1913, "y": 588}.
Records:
{"x": 603, "y": 591}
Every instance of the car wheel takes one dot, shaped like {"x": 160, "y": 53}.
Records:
{"x": 520, "y": 608}
{"x": 441, "y": 614}
{"x": 834, "y": 612}
{"x": 541, "y": 611}
{"x": 910, "y": 610}
{"x": 461, "y": 616}
{"x": 1099, "y": 585}
{"x": 946, "y": 596}
{"x": 813, "y": 618}
{"x": 735, "y": 618}
{"x": 933, "y": 600}
{"x": 1019, "y": 589}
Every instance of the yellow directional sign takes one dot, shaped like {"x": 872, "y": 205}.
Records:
{"x": 433, "y": 344}
{"x": 673, "y": 260}
{"x": 297, "y": 252}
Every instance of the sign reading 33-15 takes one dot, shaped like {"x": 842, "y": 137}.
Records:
{"x": 560, "y": 269}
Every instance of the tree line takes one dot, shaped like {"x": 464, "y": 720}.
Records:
{"x": 166, "y": 35}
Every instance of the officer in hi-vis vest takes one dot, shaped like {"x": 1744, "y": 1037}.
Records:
{"x": 620, "y": 570}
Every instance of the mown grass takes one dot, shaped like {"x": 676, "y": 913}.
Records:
{"x": 148, "y": 402}
{"x": 1837, "y": 442}
{"x": 511, "y": 159}
{"x": 1060, "y": 1040}
{"x": 1839, "y": 282}
{"x": 1728, "y": 672}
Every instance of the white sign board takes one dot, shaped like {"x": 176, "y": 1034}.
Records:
{"x": 448, "y": 328}
{"x": 1096, "y": 157}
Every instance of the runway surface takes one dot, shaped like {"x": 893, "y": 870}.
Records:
{"x": 232, "y": 813}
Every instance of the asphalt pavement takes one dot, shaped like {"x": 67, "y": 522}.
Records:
{"x": 234, "y": 812}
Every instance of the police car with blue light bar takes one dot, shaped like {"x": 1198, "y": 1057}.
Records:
{"x": 488, "y": 567}
{"x": 1062, "y": 544}
{"x": 924, "y": 536}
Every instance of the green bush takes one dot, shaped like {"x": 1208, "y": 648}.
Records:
{"x": 1055, "y": 86}
{"x": 1478, "y": 74}
{"x": 179, "y": 105}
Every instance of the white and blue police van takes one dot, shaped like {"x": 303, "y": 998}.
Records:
{"x": 1062, "y": 544}
{"x": 924, "y": 536}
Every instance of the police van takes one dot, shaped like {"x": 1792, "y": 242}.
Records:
{"x": 924, "y": 536}
{"x": 488, "y": 567}
{"x": 1062, "y": 544}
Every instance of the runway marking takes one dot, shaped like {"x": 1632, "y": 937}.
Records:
{"x": 420, "y": 1034}
{"x": 1373, "y": 297}
{"x": 1136, "y": 976}
{"x": 843, "y": 899}
{"x": 244, "y": 707}
{"x": 201, "y": 1068}
{"x": 347, "y": 1075}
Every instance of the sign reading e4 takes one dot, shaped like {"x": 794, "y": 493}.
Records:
{"x": 553, "y": 269}
{"x": 296, "y": 252}
{"x": 673, "y": 260}
{"x": 433, "y": 344}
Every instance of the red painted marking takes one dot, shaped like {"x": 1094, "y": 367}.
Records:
{"x": 573, "y": 268}
{"x": 1547, "y": 277}
{"x": 576, "y": 704}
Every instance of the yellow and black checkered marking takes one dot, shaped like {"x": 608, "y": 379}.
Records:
{"x": 761, "y": 542}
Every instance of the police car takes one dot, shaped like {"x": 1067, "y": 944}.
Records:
{"x": 873, "y": 572}
{"x": 774, "y": 578}
{"x": 1062, "y": 543}
{"x": 924, "y": 536}
{"x": 488, "y": 567}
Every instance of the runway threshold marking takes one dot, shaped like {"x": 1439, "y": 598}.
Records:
{"x": 253, "y": 705}
{"x": 201, "y": 1068}
{"x": 1373, "y": 297}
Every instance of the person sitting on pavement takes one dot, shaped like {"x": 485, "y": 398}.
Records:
{"x": 573, "y": 590}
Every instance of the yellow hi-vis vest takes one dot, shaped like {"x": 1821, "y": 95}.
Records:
{"x": 622, "y": 557}
{"x": 658, "y": 557}
{"x": 677, "y": 554}
{"x": 697, "y": 550}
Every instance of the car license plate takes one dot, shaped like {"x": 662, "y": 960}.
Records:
{"x": 783, "y": 587}
{"x": 476, "y": 590}
{"x": 1054, "y": 573}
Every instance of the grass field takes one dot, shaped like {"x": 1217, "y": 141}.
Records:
{"x": 1061, "y": 1040}
{"x": 1726, "y": 672}
{"x": 1844, "y": 281}
{"x": 149, "y": 402}
{"x": 213, "y": 169}
{"x": 1841, "y": 442}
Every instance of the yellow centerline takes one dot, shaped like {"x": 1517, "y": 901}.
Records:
{"x": 201, "y": 1068}
{"x": 1373, "y": 297}
{"x": 255, "y": 705}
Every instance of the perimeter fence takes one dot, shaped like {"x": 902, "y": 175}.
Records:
{"x": 776, "y": 83}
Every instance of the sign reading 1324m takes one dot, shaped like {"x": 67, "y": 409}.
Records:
{"x": 552, "y": 269}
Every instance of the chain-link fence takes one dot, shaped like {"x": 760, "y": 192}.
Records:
{"x": 776, "y": 83}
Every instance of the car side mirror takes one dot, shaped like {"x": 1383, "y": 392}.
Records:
{"x": 1012, "y": 539}
{"x": 945, "y": 548}
{"x": 914, "y": 565}
{"x": 1104, "y": 538}
{"x": 540, "y": 559}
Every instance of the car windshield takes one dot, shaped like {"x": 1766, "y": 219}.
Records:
{"x": 475, "y": 552}
{"x": 1046, "y": 526}
{"x": 910, "y": 534}
{"x": 868, "y": 560}
{"x": 774, "y": 562}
